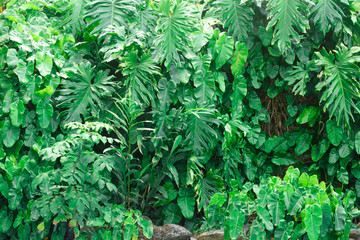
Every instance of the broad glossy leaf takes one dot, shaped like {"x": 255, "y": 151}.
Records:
{"x": 326, "y": 219}
{"x": 10, "y": 134}
{"x": 14, "y": 198}
{"x": 147, "y": 227}
{"x": 312, "y": 217}
{"x": 186, "y": 202}
{"x": 44, "y": 110}
{"x": 4, "y": 187}
{"x": 343, "y": 175}
{"x": 283, "y": 231}
{"x": 276, "y": 205}
{"x": 11, "y": 57}
{"x": 6, "y": 219}
{"x": 297, "y": 201}
{"x": 265, "y": 217}
{"x": 237, "y": 219}
{"x": 172, "y": 214}
{"x": 357, "y": 142}
{"x": 340, "y": 217}
{"x": 307, "y": 114}
{"x": 254, "y": 101}
{"x": 224, "y": 48}
{"x": 303, "y": 143}
{"x": 44, "y": 64}
{"x": 239, "y": 58}
{"x": 3, "y": 52}
{"x": 334, "y": 132}
{"x": 327, "y": 14}
{"x": 344, "y": 150}
{"x": 17, "y": 110}
{"x": 284, "y": 159}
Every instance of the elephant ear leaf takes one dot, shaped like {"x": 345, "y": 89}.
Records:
{"x": 312, "y": 217}
{"x": 44, "y": 110}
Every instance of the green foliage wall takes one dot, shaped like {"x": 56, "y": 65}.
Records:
{"x": 202, "y": 97}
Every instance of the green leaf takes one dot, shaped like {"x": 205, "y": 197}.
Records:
{"x": 12, "y": 58}
{"x": 307, "y": 114}
{"x": 14, "y": 198}
{"x": 3, "y": 52}
{"x": 344, "y": 150}
{"x": 327, "y": 14}
{"x": 129, "y": 232}
{"x": 44, "y": 64}
{"x": 239, "y": 58}
{"x": 303, "y": 143}
{"x": 237, "y": 219}
{"x": 11, "y": 134}
{"x": 254, "y": 101}
{"x": 283, "y": 231}
{"x": 287, "y": 18}
{"x": 147, "y": 228}
{"x": 186, "y": 202}
{"x": 105, "y": 14}
{"x": 141, "y": 80}
{"x": 174, "y": 28}
{"x": 343, "y": 175}
{"x": 333, "y": 156}
{"x": 237, "y": 17}
{"x": 44, "y": 110}
{"x": 276, "y": 205}
{"x": 326, "y": 219}
{"x": 341, "y": 86}
{"x": 296, "y": 203}
{"x": 224, "y": 48}
{"x": 357, "y": 142}
{"x": 84, "y": 90}
{"x": 6, "y": 219}
{"x": 172, "y": 214}
{"x": 265, "y": 217}
{"x": 340, "y": 217}
{"x": 17, "y": 110}
{"x": 4, "y": 187}
{"x": 312, "y": 217}
{"x": 334, "y": 132}
{"x": 284, "y": 159}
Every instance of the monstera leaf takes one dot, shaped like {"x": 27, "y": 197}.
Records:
{"x": 83, "y": 90}
{"x": 287, "y": 18}
{"x": 175, "y": 25}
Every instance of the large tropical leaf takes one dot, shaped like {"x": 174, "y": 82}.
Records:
{"x": 237, "y": 17}
{"x": 206, "y": 187}
{"x": 287, "y": 18}
{"x": 199, "y": 131}
{"x": 174, "y": 27}
{"x": 106, "y": 13}
{"x": 84, "y": 89}
{"x": 341, "y": 84}
{"x": 140, "y": 72}
{"x": 75, "y": 15}
{"x": 327, "y": 14}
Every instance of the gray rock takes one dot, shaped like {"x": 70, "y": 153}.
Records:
{"x": 212, "y": 235}
{"x": 171, "y": 232}
{"x": 355, "y": 234}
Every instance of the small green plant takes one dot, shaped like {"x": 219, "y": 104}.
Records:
{"x": 289, "y": 208}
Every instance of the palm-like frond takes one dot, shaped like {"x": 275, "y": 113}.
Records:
{"x": 199, "y": 131}
{"x": 237, "y": 17}
{"x": 285, "y": 15}
{"x": 140, "y": 72}
{"x": 342, "y": 86}
{"x": 106, "y": 13}
{"x": 207, "y": 186}
{"x": 174, "y": 27}
{"x": 74, "y": 17}
{"x": 83, "y": 90}
{"x": 327, "y": 13}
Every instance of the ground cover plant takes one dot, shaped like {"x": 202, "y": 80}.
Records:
{"x": 114, "y": 112}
